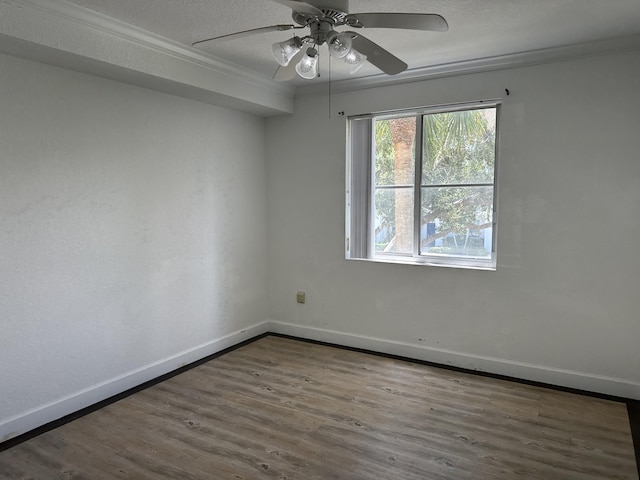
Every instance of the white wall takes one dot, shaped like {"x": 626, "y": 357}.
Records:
{"x": 132, "y": 237}
{"x": 563, "y": 306}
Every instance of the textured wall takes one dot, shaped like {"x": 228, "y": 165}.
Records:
{"x": 132, "y": 228}
{"x": 565, "y": 293}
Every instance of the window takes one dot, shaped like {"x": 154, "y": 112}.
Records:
{"x": 421, "y": 186}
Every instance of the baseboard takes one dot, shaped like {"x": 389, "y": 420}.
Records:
{"x": 608, "y": 386}
{"x": 34, "y": 419}
{"x": 37, "y": 417}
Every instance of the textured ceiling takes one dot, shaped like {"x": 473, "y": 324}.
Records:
{"x": 477, "y": 28}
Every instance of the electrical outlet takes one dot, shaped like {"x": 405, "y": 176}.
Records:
{"x": 301, "y": 297}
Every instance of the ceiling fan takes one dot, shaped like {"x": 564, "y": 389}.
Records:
{"x": 321, "y": 17}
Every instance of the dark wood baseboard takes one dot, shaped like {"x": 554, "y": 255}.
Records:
{"x": 633, "y": 408}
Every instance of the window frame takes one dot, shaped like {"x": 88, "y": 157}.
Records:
{"x": 360, "y": 190}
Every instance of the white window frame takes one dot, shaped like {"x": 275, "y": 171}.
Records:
{"x": 360, "y": 240}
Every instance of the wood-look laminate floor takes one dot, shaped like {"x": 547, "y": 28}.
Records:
{"x": 284, "y": 409}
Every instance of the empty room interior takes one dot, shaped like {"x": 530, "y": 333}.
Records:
{"x": 319, "y": 239}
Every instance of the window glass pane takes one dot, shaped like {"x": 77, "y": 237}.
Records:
{"x": 457, "y": 221}
{"x": 394, "y": 220}
{"x": 459, "y": 147}
{"x": 394, "y": 151}
{"x": 450, "y": 158}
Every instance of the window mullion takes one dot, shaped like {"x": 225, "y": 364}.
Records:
{"x": 417, "y": 205}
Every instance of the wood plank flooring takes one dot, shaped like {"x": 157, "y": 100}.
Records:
{"x": 284, "y": 409}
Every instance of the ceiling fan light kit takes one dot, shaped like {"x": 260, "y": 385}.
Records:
{"x": 339, "y": 44}
{"x": 308, "y": 66}
{"x": 283, "y": 52}
{"x": 355, "y": 60}
{"x": 321, "y": 17}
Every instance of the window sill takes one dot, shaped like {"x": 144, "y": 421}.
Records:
{"x": 489, "y": 266}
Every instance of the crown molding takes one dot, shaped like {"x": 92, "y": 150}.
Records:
{"x": 222, "y": 82}
{"x": 500, "y": 62}
{"x": 27, "y": 20}
{"x": 107, "y": 25}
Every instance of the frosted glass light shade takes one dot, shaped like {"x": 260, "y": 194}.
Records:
{"x": 355, "y": 60}
{"x": 308, "y": 66}
{"x": 283, "y": 52}
{"x": 339, "y": 44}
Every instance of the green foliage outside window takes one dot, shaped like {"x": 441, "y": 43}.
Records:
{"x": 458, "y": 161}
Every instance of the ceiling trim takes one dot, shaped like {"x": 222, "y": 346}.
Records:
{"x": 501, "y": 62}
{"x": 79, "y": 31}
{"x": 180, "y": 68}
{"x": 126, "y": 31}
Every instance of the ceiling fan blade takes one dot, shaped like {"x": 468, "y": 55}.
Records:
{"x": 284, "y": 74}
{"x": 384, "y": 60}
{"x": 246, "y": 33}
{"x": 412, "y": 21}
{"x": 300, "y": 7}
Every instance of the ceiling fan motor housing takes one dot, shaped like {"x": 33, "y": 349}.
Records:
{"x": 334, "y": 12}
{"x": 337, "y": 5}
{"x": 320, "y": 31}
